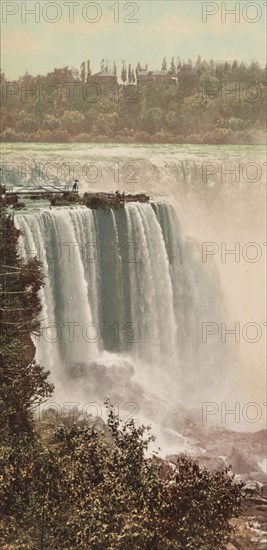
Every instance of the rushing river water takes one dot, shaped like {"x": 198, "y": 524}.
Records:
{"x": 138, "y": 303}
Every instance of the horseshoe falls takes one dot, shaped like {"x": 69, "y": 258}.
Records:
{"x": 127, "y": 292}
{"x": 122, "y": 305}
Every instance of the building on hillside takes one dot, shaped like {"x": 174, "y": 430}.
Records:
{"x": 106, "y": 78}
{"x": 159, "y": 77}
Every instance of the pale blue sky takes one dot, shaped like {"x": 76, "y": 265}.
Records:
{"x": 163, "y": 28}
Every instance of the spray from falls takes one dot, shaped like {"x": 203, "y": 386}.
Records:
{"x": 123, "y": 302}
{"x": 137, "y": 277}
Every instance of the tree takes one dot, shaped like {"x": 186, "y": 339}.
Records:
{"x": 72, "y": 122}
{"x": 211, "y": 65}
{"x": 153, "y": 119}
{"x": 178, "y": 64}
{"x": 192, "y": 113}
{"x": 75, "y": 74}
{"x": 226, "y": 68}
{"x": 40, "y": 115}
{"x": 129, "y": 73}
{"x": 2, "y": 77}
{"x": 23, "y": 382}
{"x": 164, "y": 64}
{"x": 172, "y": 68}
{"x": 198, "y": 62}
{"x": 108, "y": 494}
{"x": 106, "y": 124}
{"x": 83, "y": 71}
{"x": 172, "y": 121}
{"x": 27, "y": 122}
{"x": 235, "y": 65}
{"x": 123, "y": 72}
{"x": 89, "y": 72}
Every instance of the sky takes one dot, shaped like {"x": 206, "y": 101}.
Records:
{"x": 67, "y": 32}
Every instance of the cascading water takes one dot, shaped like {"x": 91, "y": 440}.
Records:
{"x": 108, "y": 270}
{"x": 127, "y": 291}
{"x": 123, "y": 301}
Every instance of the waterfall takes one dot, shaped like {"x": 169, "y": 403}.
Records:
{"x": 124, "y": 298}
{"x": 102, "y": 269}
{"x": 120, "y": 284}
{"x": 127, "y": 291}
{"x": 67, "y": 300}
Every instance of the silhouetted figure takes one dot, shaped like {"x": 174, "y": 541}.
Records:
{"x": 75, "y": 186}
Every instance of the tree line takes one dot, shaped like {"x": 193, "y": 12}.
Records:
{"x": 203, "y": 102}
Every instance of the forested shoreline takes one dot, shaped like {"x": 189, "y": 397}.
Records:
{"x": 203, "y": 102}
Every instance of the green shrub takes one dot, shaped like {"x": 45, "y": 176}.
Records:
{"x": 95, "y": 488}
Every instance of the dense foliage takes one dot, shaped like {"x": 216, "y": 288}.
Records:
{"x": 74, "y": 484}
{"x": 23, "y": 383}
{"x": 204, "y": 102}
{"x": 88, "y": 487}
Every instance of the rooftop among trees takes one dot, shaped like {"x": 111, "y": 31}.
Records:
{"x": 200, "y": 102}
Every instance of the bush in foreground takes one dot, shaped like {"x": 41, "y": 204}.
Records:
{"x": 95, "y": 488}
